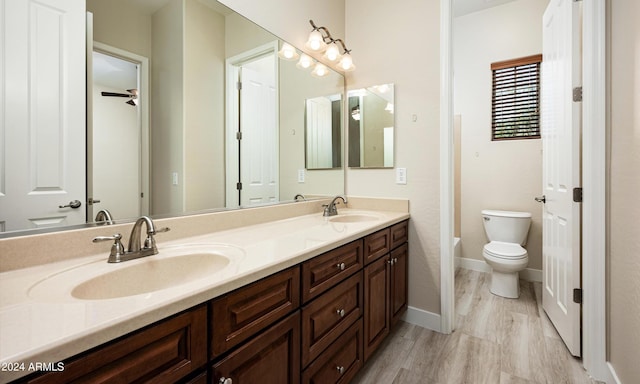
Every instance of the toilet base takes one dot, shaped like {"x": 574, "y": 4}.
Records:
{"x": 505, "y": 284}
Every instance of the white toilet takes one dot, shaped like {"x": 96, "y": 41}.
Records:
{"x": 507, "y": 232}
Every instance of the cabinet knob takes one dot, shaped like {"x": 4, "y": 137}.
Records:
{"x": 395, "y": 260}
{"x": 340, "y": 312}
{"x": 340, "y": 369}
{"x": 341, "y": 266}
{"x": 225, "y": 380}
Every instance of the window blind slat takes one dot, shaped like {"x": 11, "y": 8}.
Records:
{"x": 516, "y": 98}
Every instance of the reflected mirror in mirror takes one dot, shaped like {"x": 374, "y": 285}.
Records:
{"x": 323, "y": 132}
{"x": 370, "y": 127}
{"x": 160, "y": 136}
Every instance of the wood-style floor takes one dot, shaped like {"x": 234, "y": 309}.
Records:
{"x": 496, "y": 341}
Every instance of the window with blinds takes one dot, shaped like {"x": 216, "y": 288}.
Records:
{"x": 516, "y": 99}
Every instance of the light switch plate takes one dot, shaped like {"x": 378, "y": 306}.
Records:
{"x": 300, "y": 175}
{"x": 401, "y": 175}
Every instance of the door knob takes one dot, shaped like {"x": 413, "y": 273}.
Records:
{"x": 542, "y": 199}
{"x": 72, "y": 204}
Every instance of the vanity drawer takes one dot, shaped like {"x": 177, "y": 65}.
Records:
{"x": 323, "y": 272}
{"x": 328, "y": 316}
{"x": 399, "y": 234}
{"x": 246, "y": 311}
{"x": 376, "y": 245}
{"x": 272, "y": 357}
{"x": 340, "y": 362}
{"x": 162, "y": 353}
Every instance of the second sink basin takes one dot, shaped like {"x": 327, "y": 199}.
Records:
{"x": 354, "y": 218}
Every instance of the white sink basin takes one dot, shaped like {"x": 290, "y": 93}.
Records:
{"x": 353, "y": 218}
{"x": 170, "y": 268}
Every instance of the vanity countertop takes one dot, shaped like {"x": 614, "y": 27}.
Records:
{"x": 52, "y": 328}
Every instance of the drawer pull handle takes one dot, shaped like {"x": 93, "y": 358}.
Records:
{"x": 225, "y": 380}
{"x": 341, "y": 266}
{"x": 340, "y": 312}
{"x": 340, "y": 369}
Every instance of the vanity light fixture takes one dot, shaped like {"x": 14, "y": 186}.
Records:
{"x": 355, "y": 112}
{"x": 288, "y": 52}
{"x": 305, "y": 61}
{"x": 320, "y": 70}
{"x": 320, "y": 40}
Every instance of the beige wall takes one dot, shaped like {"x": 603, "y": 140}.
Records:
{"x": 503, "y": 175}
{"x": 624, "y": 208}
{"x": 398, "y": 42}
{"x": 167, "y": 118}
{"x": 204, "y": 61}
{"x": 119, "y": 24}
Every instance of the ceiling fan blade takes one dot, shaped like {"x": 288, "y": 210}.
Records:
{"x": 131, "y": 102}
{"x": 115, "y": 94}
{"x": 133, "y": 91}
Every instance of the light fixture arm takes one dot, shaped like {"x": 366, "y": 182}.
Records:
{"x": 326, "y": 36}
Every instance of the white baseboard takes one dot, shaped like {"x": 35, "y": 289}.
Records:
{"x": 422, "y": 318}
{"x": 613, "y": 376}
{"x": 481, "y": 266}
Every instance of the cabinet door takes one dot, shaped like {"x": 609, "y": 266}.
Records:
{"x": 376, "y": 245}
{"x": 246, "y": 311}
{"x": 399, "y": 234}
{"x": 323, "y": 272}
{"x": 376, "y": 309}
{"x": 328, "y": 316}
{"x": 162, "y": 353}
{"x": 272, "y": 357}
{"x": 399, "y": 282}
{"x": 340, "y": 362}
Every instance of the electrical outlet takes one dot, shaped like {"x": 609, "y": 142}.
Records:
{"x": 401, "y": 175}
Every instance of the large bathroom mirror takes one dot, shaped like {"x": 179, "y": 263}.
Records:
{"x": 370, "y": 127}
{"x": 189, "y": 109}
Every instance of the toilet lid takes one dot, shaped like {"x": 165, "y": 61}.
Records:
{"x": 510, "y": 250}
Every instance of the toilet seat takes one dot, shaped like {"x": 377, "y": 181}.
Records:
{"x": 501, "y": 250}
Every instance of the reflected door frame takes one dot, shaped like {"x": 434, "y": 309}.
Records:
{"x": 233, "y": 161}
{"x": 143, "y": 110}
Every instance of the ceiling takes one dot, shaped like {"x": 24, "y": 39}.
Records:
{"x": 464, "y": 7}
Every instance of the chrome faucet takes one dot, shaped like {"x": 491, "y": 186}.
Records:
{"x": 134, "y": 250}
{"x": 103, "y": 217}
{"x": 330, "y": 209}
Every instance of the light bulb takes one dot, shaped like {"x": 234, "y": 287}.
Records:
{"x": 320, "y": 70}
{"x": 346, "y": 64}
{"x": 305, "y": 62}
{"x": 287, "y": 52}
{"x": 333, "y": 52}
{"x": 316, "y": 41}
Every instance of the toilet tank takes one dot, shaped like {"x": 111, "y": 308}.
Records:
{"x": 507, "y": 226}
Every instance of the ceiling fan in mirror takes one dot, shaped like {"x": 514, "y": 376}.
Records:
{"x": 132, "y": 95}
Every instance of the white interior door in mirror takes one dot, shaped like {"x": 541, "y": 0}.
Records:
{"x": 258, "y": 124}
{"x": 43, "y": 59}
{"x": 319, "y": 133}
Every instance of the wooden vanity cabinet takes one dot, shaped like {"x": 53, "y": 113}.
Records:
{"x": 376, "y": 245}
{"x": 240, "y": 314}
{"x": 385, "y": 288}
{"x": 273, "y": 357}
{"x": 165, "y": 352}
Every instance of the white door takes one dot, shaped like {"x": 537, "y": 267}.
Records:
{"x": 560, "y": 118}
{"x": 258, "y": 124}
{"x": 43, "y": 120}
{"x": 319, "y": 133}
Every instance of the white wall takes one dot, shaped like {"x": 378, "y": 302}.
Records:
{"x": 503, "y": 175}
{"x": 624, "y": 208}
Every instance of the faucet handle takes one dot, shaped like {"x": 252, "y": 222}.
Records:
{"x": 150, "y": 241}
{"x": 162, "y": 230}
{"x": 117, "y": 249}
